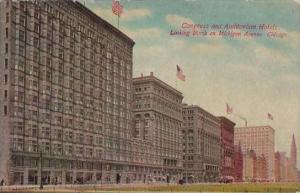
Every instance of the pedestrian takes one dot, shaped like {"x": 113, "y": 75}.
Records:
{"x": 2, "y": 182}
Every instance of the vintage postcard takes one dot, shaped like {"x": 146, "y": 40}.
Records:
{"x": 143, "y": 96}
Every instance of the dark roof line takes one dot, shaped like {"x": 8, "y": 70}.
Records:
{"x": 107, "y": 24}
{"x": 154, "y": 78}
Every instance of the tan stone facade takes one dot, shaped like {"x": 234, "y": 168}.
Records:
{"x": 66, "y": 78}
{"x": 201, "y": 145}
{"x": 249, "y": 166}
{"x": 157, "y": 121}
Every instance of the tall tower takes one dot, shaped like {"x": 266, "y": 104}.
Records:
{"x": 293, "y": 153}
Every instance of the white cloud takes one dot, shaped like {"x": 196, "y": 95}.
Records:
{"x": 177, "y": 20}
{"x": 211, "y": 48}
{"x": 143, "y": 33}
{"x": 132, "y": 14}
{"x": 265, "y": 56}
{"x": 297, "y": 1}
{"x": 105, "y": 13}
{"x": 292, "y": 39}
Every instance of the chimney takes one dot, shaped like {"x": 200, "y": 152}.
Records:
{"x": 151, "y": 73}
{"x": 142, "y": 75}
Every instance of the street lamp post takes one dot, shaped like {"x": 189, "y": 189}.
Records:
{"x": 41, "y": 170}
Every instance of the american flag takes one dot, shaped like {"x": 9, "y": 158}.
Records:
{"x": 229, "y": 109}
{"x": 180, "y": 74}
{"x": 117, "y": 8}
{"x": 270, "y": 117}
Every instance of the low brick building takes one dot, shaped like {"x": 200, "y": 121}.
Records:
{"x": 227, "y": 149}
{"x": 238, "y": 163}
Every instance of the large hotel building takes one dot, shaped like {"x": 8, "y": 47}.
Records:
{"x": 157, "y": 125}
{"x": 261, "y": 140}
{"x": 66, "y": 80}
{"x": 201, "y": 145}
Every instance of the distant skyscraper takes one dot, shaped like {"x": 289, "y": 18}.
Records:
{"x": 261, "y": 140}
{"x": 292, "y": 174}
{"x": 293, "y": 152}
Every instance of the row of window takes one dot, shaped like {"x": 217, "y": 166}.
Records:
{"x": 5, "y": 108}
{"x": 55, "y": 148}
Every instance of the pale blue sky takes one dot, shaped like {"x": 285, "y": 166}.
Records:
{"x": 255, "y": 75}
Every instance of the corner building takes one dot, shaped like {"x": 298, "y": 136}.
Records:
{"x": 261, "y": 139}
{"x": 201, "y": 145}
{"x": 227, "y": 148}
{"x": 66, "y": 80}
{"x": 157, "y": 109}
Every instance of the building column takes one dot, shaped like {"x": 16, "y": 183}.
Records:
{"x": 94, "y": 177}
{"x": 39, "y": 177}
{"x": 74, "y": 176}
{"x": 52, "y": 177}
{"x": 63, "y": 177}
{"x": 25, "y": 176}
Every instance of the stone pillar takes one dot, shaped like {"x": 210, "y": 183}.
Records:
{"x": 25, "y": 176}
{"x": 39, "y": 177}
{"x": 74, "y": 176}
{"x": 94, "y": 177}
{"x": 63, "y": 177}
{"x": 52, "y": 177}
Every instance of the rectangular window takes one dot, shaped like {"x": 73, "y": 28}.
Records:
{"x": 36, "y": 14}
{"x": 36, "y": 28}
{"x": 22, "y": 20}
{"x": 6, "y": 48}
{"x": 5, "y": 78}
{"x": 61, "y": 54}
{"x": 5, "y": 110}
{"x": 5, "y": 94}
{"x": 22, "y": 35}
{"x": 21, "y": 50}
{"x": 34, "y": 100}
{"x": 49, "y": 48}
{"x": 6, "y": 32}
{"x": 6, "y": 63}
{"x": 48, "y": 62}
{"x": 35, "y": 42}
{"x": 22, "y": 6}
{"x": 61, "y": 40}
{"x": 35, "y": 56}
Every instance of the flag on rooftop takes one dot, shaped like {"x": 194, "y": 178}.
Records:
{"x": 180, "y": 74}
{"x": 270, "y": 117}
{"x": 117, "y": 8}
{"x": 229, "y": 109}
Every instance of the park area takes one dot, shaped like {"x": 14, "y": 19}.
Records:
{"x": 142, "y": 188}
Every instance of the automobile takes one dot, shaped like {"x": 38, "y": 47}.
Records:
{"x": 181, "y": 181}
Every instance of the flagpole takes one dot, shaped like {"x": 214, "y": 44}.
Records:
{"x": 118, "y": 20}
{"x": 176, "y": 83}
